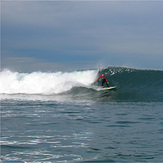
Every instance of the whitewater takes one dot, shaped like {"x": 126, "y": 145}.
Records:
{"x": 44, "y": 83}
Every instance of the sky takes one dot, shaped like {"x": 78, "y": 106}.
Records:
{"x": 73, "y": 35}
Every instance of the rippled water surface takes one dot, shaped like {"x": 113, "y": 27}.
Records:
{"x": 84, "y": 131}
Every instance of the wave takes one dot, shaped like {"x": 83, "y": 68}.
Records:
{"x": 136, "y": 84}
{"x": 44, "y": 83}
{"x": 132, "y": 84}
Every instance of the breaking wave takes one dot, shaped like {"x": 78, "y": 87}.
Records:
{"x": 132, "y": 84}
{"x": 44, "y": 83}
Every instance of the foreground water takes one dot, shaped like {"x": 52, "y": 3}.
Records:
{"x": 84, "y": 123}
{"x": 58, "y": 132}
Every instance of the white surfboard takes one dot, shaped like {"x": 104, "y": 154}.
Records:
{"x": 109, "y": 88}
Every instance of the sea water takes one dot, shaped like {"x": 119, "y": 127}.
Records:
{"x": 67, "y": 117}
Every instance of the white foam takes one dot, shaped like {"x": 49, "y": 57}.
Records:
{"x": 44, "y": 83}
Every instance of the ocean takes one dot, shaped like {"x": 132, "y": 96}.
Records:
{"x": 67, "y": 117}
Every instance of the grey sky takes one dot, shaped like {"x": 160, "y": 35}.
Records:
{"x": 64, "y": 35}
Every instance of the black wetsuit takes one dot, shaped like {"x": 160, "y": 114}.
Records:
{"x": 104, "y": 82}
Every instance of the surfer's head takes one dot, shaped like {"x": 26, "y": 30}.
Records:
{"x": 102, "y": 75}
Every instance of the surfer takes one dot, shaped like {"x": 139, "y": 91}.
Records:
{"x": 104, "y": 80}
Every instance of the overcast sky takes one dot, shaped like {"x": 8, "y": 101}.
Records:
{"x": 69, "y": 35}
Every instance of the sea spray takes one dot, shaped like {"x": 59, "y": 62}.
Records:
{"x": 43, "y": 82}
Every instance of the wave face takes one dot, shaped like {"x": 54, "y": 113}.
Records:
{"x": 132, "y": 84}
{"x": 136, "y": 84}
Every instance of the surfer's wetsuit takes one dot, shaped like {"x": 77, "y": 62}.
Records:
{"x": 104, "y": 80}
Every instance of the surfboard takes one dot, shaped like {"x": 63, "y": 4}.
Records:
{"x": 109, "y": 88}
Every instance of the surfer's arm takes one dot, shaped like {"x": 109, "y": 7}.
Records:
{"x": 98, "y": 78}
